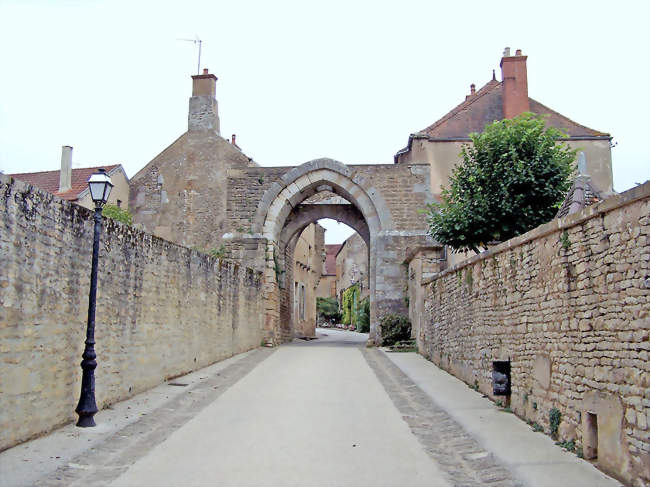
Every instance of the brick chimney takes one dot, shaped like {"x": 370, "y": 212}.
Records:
{"x": 203, "y": 114}
{"x": 515, "y": 84}
{"x": 65, "y": 175}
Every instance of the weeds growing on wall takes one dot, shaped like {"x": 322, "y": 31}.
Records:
{"x": 554, "y": 418}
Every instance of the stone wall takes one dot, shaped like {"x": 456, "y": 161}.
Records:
{"x": 568, "y": 305}
{"x": 162, "y": 310}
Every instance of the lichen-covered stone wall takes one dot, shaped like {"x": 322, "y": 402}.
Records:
{"x": 162, "y": 310}
{"x": 568, "y": 304}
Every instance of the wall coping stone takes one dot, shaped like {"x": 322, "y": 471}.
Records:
{"x": 613, "y": 202}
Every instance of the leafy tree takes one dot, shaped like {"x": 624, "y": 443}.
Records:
{"x": 117, "y": 213}
{"x": 511, "y": 179}
{"x": 328, "y": 308}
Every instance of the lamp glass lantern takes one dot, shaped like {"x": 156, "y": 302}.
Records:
{"x": 100, "y": 185}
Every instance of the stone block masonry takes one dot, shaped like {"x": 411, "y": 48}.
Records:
{"x": 567, "y": 305}
{"x": 162, "y": 310}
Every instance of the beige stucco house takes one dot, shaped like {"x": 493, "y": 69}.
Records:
{"x": 307, "y": 273}
{"x": 440, "y": 143}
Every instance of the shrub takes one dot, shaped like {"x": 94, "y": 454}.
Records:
{"x": 394, "y": 328}
{"x": 363, "y": 316}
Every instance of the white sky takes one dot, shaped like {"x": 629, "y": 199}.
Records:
{"x": 300, "y": 80}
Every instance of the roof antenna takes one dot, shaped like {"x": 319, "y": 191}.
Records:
{"x": 199, "y": 42}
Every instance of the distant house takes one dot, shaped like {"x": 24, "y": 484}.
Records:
{"x": 352, "y": 266}
{"x": 440, "y": 143}
{"x": 327, "y": 283}
{"x": 72, "y": 184}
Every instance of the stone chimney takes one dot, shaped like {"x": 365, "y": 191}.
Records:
{"x": 203, "y": 114}
{"x": 65, "y": 175}
{"x": 515, "y": 84}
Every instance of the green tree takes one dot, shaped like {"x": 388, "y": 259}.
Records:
{"x": 512, "y": 178}
{"x": 117, "y": 213}
{"x": 328, "y": 308}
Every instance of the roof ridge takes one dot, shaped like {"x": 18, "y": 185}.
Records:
{"x": 73, "y": 169}
{"x": 484, "y": 90}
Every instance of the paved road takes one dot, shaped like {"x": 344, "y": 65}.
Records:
{"x": 322, "y": 413}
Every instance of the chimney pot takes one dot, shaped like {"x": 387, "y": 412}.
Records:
{"x": 472, "y": 88}
{"x": 506, "y": 52}
{"x": 233, "y": 138}
{"x": 518, "y": 52}
{"x": 205, "y": 71}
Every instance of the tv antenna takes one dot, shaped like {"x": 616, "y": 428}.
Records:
{"x": 198, "y": 42}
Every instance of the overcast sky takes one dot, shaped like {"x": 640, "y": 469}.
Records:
{"x": 300, "y": 80}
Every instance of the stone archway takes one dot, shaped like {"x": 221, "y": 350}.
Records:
{"x": 281, "y": 216}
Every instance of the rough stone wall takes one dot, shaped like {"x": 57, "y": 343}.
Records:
{"x": 181, "y": 194}
{"x": 568, "y": 304}
{"x": 246, "y": 187}
{"x": 406, "y": 188}
{"x": 162, "y": 310}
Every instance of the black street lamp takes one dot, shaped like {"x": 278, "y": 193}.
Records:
{"x": 100, "y": 187}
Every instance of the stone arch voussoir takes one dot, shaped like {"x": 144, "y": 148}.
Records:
{"x": 303, "y": 181}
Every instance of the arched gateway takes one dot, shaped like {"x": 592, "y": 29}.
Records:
{"x": 204, "y": 192}
{"x": 282, "y": 215}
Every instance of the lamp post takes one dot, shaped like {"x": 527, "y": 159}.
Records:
{"x": 100, "y": 186}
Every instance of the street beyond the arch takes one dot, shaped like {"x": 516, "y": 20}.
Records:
{"x": 338, "y": 414}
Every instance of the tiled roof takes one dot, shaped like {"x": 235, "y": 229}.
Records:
{"x": 49, "y": 180}
{"x": 330, "y": 258}
{"x": 486, "y": 106}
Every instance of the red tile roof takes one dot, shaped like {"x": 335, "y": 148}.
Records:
{"x": 486, "y": 106}
{"x": 330, "y": 258}
{"x": 49, "y": 180}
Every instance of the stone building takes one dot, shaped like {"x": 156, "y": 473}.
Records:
{"x": 72, "y": 184}
{"x": 440, "y": 143}
{"x": 327, "y": 284}
{"x": 307, "y": 273}
{"x": 203, "y": 191}
{"x": 352, "y": 266}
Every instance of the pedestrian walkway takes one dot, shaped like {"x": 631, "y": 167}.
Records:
{"x": 327, "y": 412}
